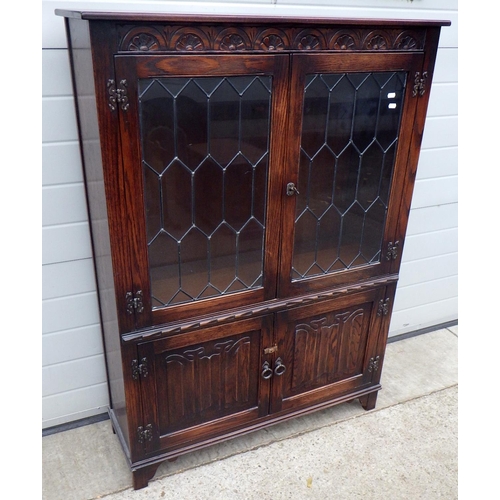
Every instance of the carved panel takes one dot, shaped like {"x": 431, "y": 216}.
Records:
{"x": 352, "y": 341}
{"x": 377, "y": 40}
{"x": 271, "y": 40}
{"x": 344, "y": 40}
{"x": 316, "y": 351}
{"x": 209, "y": 381}
{"x": 407, "y": 41}
{"x": 241, "y": 38}
{"x": 327, "y": 348}
{"x": 310, "y": 40}
{"x": 232, "y": 39}
{"x": 143, "y": 39}
{"x": 189, "y": 40}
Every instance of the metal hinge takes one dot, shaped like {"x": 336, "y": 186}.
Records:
{"x": 139, "y": 369}
{"x": 117, "y": 95}
{"x": 383, "y": 307}
{"x": 419, "y": 86}
{"x": 134, "y": 303}
{"x": 392, "y": 251}
{"x": 145, "y": 433}
{"x": 373, "y": 364}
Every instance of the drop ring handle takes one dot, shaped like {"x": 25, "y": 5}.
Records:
{"x": 267, "y": 373}
{"x": 280, "y": 368}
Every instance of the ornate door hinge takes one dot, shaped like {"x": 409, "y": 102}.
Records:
{"x": 373, "y": 364}
{"x": 134, "y": 303}
{"x": 145, "y": 433}
{"x": 419, "y": 86}
{"x": 139, "y": 369}
{"x": 392, "y": 250}
{"x": 383, "y": 307}
{"x": 117, "y": 95}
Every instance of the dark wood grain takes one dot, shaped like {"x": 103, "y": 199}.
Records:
{"x": 206, "y": 382}
{"x": 324, "y": 345}
{"x": 186, "y": 376}
{"x": 417, "y": 136}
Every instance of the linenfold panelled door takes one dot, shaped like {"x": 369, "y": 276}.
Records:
{"x": 327, "y": 348}
{"x": 202, "y": 174}
{"x": 205, "y": 382}
{"x": 354, "y": 117}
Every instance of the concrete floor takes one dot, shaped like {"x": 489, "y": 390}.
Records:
{"x": 404, "y": 449}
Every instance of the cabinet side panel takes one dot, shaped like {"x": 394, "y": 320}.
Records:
{"x": 84, "y": 89}
{"x": 432, "y": 40}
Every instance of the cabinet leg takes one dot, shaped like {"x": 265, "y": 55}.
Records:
{"x": 369, "y": 401}
{"x": 142, "y": 476}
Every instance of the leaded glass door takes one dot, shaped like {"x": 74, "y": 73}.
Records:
{"x": 345, "y": 173}
{"x": 202, "y": 163}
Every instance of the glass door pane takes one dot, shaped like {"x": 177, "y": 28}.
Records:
{"x": 349, "y": 137}
{"x": 205, "y": 154}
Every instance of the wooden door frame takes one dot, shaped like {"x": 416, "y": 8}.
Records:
{"x": 331, "y": 391}
{"x": 223, "y": 425}
{"x": 302, "y": 64}
{"x": 132, "y": 67}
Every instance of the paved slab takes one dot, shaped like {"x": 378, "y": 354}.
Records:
{"x": 407, "y": 451}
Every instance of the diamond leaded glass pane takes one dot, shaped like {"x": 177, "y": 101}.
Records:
{"x": 349, "y": 138}
{"x": 205, "y": 151}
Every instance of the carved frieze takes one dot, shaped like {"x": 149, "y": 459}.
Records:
{"x": 240, "y": 38}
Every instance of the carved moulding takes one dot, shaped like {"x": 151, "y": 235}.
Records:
{"x": 271, "y": 40}
{"x": 376, "y": 40}
{"x": 143, "y": 39}
{"x": 310, "y": 39}
{"x": 232, "y": 39}
{"x": 190, "y": 40}
{"x": 408, "y": 40}
{"x": 344, "y": 40}
{"x": 174, "y": 38}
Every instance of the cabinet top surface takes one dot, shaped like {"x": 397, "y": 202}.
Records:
{"x": 184, "y": 18}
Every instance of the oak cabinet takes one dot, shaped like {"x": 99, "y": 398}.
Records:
{"x": 249, "y": 184}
